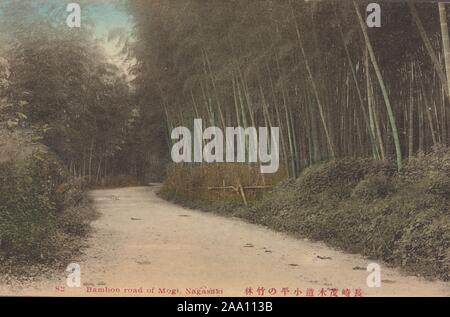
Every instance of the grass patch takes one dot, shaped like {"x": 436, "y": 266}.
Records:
{"x": 191, "y": 183}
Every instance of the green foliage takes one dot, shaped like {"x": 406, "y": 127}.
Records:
{"x": 62, "y": 86}
{"x": 383, "y": 217}
{"x": 26, "y": 219}
{"x": 40, "y": 205}
{"x": 27, "y": 209}
{"x": 373, "y": 187}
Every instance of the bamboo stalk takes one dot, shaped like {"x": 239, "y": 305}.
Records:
{"x": 383, "y": 89}
{"x": 429, "y": 47}
{"x": 445, "y": 41}
{"x": 314, "y": 87}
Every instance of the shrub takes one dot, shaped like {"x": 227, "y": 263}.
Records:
{"x": 438, "y": 184}
{"x": 27, "y": 211}
{"x": 40, "y": 203}
{"x": 373, "y": 187}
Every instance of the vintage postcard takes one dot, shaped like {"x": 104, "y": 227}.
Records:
{"x": 252, "y": 149}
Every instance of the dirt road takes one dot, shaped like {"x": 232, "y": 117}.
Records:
{"x": 143, "y": 245}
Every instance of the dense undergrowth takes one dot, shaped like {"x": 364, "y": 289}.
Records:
{"x": 209, "y": 183}
{"x": 43, "y": 210}
{"x": 361, "y": 206}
